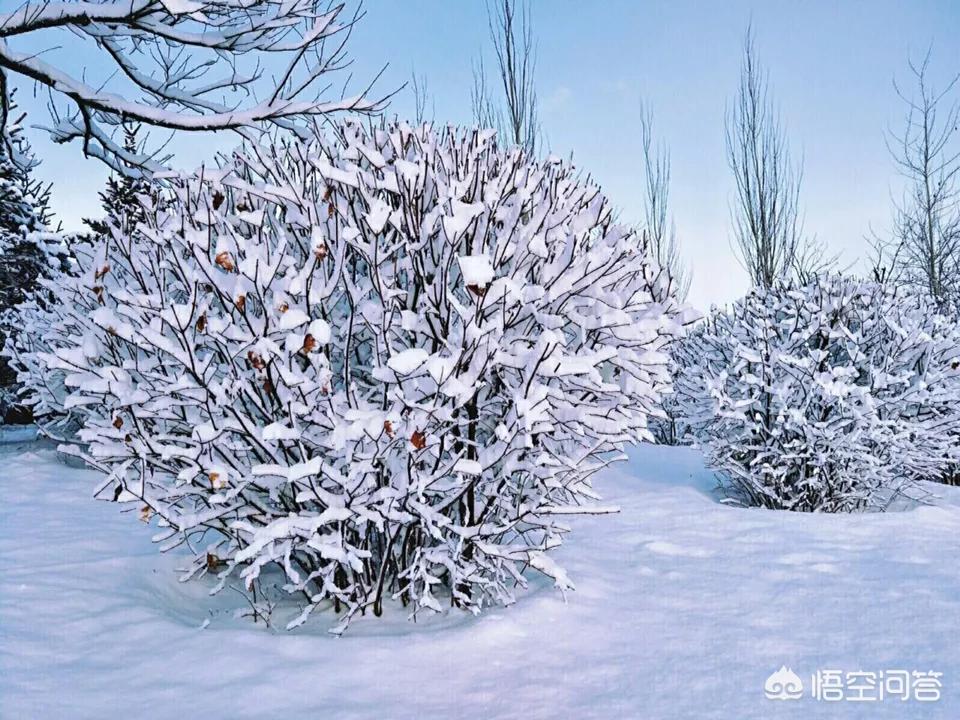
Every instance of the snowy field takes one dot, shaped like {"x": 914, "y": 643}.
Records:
{"x": 683, "y": 608}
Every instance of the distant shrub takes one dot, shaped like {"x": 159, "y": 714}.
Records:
{"x": 832, "y": 396}
{"x": 386, "y": 363}
{"x": 670, "y": 424}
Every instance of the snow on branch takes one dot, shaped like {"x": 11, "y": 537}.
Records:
{"x": 183, "y": 63}
{"x": 830, "y": 396}
{"x": 385, "y": 364}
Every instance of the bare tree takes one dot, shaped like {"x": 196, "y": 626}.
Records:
{"x": 926, "y": 232}
{"x": 767, "y": 226}
{"x": 486, "y": 114}
{"x": 418, "y": 86}
{"x": 884, "y": 259}
{"x": 659, "y": 231}
{"x": 812, "y": 259}
{"x": 516, "y": 116}
{"x": 191, "y": 65}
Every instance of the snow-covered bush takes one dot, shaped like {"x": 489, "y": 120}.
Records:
{"x": 670, "y": 425}
{"x": 832, "y": 396}
{"x": 54, "y": 308}
{"x": 386, "y": 363}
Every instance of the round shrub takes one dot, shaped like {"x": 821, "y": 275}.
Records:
{"x": 384, "y": 363}
{"x": 831, "y": 396}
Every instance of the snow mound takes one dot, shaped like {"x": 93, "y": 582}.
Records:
{"x": 683, "y": 607}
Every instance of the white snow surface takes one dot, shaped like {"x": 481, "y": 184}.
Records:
{"x": 683, "y": 607}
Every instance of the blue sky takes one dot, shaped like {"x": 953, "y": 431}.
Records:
{"x": 831, "y": 65}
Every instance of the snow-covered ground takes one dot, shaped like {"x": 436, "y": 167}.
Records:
{"x": 683, "y": 608}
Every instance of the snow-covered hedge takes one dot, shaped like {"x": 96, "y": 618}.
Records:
{"x": 833, "y": 396}
{"x": 385, "y": 363}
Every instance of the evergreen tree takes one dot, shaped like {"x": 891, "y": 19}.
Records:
{"x": 28, "y": 252}
{"x": 24, "y": 211}
{"x": 122, "y": 209}
{"x": 24, "y": 200}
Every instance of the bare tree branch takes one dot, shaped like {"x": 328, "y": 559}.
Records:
{"x": 180, "y": 61}
{"x": 418, "y": 85}
{"x": 516, "y": 117}
{"x": 659, "y": 234}
{"x": 485, "y": 112}
{"x": 926, "y": 232}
